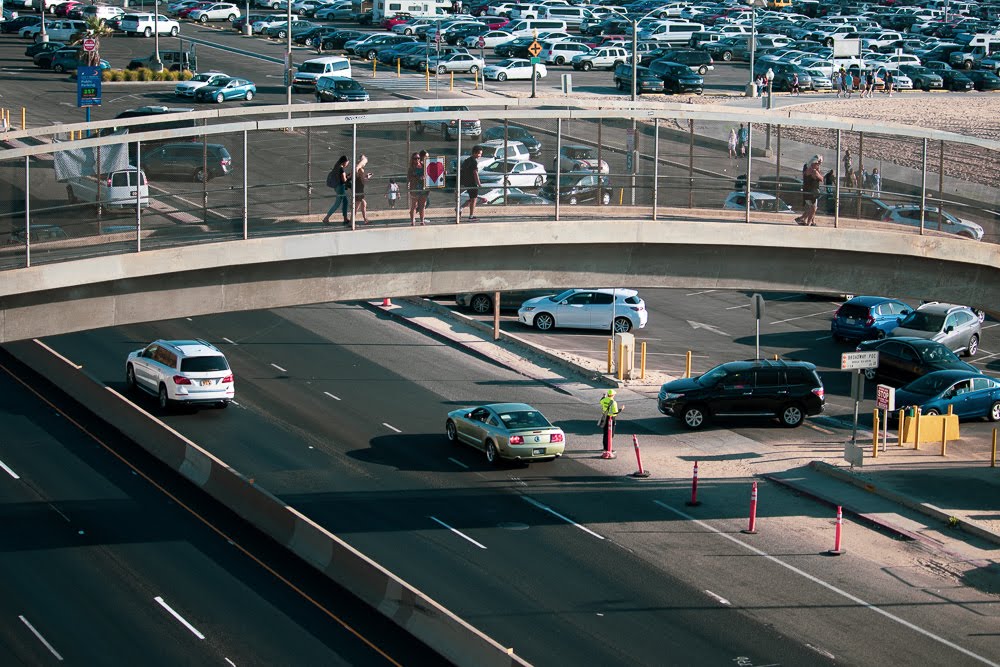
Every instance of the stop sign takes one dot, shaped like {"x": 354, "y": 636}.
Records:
{"x": 89, "y": 44}
{"x": 482, "y": 43}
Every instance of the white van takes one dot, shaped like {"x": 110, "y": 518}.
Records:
{"x": 118, "y": 189}
{"x": 531, "y": 27}
{"x": 571, "y": 16}
{"x": 310, "y": 70}
{"x": 671, "y": 32}
{"x": 421, "y": 9}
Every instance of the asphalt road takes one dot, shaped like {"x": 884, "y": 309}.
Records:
{"x": 110, "y": 559}
{"x": 340, "y": 413}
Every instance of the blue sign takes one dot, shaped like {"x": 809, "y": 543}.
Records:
{"x": 88, "y": 86}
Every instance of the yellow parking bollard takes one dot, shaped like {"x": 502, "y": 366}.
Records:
{"x": 24, "y": 118}
{"x": 642, "y": 362}
{"x": 475, "y": 78}
{"x": 374, "y": 66}
{"x": 399, "y": 69}
{"x": 451, "y": 84}
{"x": 993, "y": 456}
{"x": 621, "y": 360}
{"x": 916, "y": 428}
{"x": 944, "y": 434}
{"x": 611, "y": 343}
{"x": 687, "y": 364}
{"x": 902, "y": 422}
{"x": 875, "y": 425}
{"x": 427, "y": 75}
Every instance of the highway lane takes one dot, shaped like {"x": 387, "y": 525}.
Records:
{"x": 341, "y": 415}
{"x": 111, "y": 562}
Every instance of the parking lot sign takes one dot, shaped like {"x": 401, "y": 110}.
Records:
{"x": 851, "y": 361}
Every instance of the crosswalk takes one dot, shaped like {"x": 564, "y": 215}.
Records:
{"x": 390, "y": 82}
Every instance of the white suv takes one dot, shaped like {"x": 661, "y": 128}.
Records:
{"x": 604, "y": 57}
{"x": 220, "y": 11}
{"x": 181, "y": 371}
{"x": 493, "y": 150}
{"x": 145, "y": 24}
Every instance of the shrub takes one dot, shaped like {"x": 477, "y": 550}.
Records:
{"x": 144, "y": 74}
{"x": 186, "y": 75}
{"x": 130, "y": 75}
{"x": 108, "y": 75}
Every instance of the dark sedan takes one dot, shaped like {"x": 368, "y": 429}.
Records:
{"x": 983, "y": 80}
{"x": 579, "y": 188}
{"x": 515, "y": 133}
{"x": 341, "y": 37}
{"x": 677, "y": 78}
{"x": 969, "y": 395}
{"x": 645, "y": 81}
{"x": 905, "y": 358}
{"x": 952, "y": 79}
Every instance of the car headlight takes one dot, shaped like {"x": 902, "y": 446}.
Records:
{"x": 672, "y": 397}
{"x": 527, "y": 309}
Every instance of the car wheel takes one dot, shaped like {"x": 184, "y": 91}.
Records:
{"x": 249, "y": 95}
{"x": 622, "y": 325}
{"x": 606, "y": 198}
{"x": 572, "y": 201}
{"x": 408, "y": 31}
{"x": 973, "y": 346}
{"x": 995, "y": 412}
{"x": 164, "y": 399}
{"x": 544, "y": 321}
{"x": 223, "y": 405}
{"x": 791, "y": 416}
{"x": 481, "y": 303}
{"x": 560, "y": 60}
{"x": 232, "y": 17}
{"x": 474, "y": 70}
{"x": 492, "y": 456}
{"x": 282, "y": 34}
{"x": 442, "y": 69}
{"x": 879, "y": 335}
{"x": 869, "y": 373}
{"x": 727, "y": 55}
{"x": 199, "y": 175}
{"x": 174, "y": 31}
{"x": 130, "y": 379}
{"x": 451, "y": 432}
{"x": 926, "y": 89}
{"x": 703, "y": 70}
{"x": 931, "y": 412}
{"x": 501, "y": 76}
{"x": 220, "y": 98}
{"x": 58, "y": 69}
{"x": 694, "y": 417}
{"x": 586, "y": 66}
{"x": 147, "y": 32}
{"x": 373, "y": 54}
{"x": 203, "y": 19}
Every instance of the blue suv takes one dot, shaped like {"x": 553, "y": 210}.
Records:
{"x": 865, "y": 317}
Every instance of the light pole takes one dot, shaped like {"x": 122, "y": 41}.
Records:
{"x": 43, "y": 36}
{"x": 288, "y": 57}
{"x": 754, "y": 4}
{"x": 156, "y": 65}
{"x": 769, "y": 75}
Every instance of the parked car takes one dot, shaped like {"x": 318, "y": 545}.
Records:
{"x": 677, "y": 78}
{"x": 42, "y": 47}
{"x": 522, "y": 174}
{"x": 217, "y": 11}
{"x": 448, "y": 128}
{"x": 760, "y": 202}
{"x": 181, "y": 371}
{"x": 786, "y": 390}
{"x": 200, "y": 80}
{"x": 579, "y": 188}
{"x": 645, "y": 82}
{"x": 455, "y": 62}
{"x": 983, "y": 80}
{"x": 904, "y": 358}
{"x": 864, "y": 317}
{"x": 604, "y": 57}
{"x": 514, "y": 68}
{"x": 617, "y": 310}
{"x": 574, "y": 157}
{"x": 967, "y": 394}
{"x": 697, "y": 60}
{"x": 482, "y": 302}
{"x": 506, "y": 431}
{"x": 957, "y": 327}
{"x": 340, "y": 89}
{"x": 41, "y": 233}
{"x": 490, "y": 39}
{"x": 188, "y": 160}
{"x": 922, "y": 77}
{"x": 909, "y": 214}
{"x": 514, "y": 133}
{"x": 493, "y": 150}
{"x": 226, "y": 89}
{"x": 145, "y": 24}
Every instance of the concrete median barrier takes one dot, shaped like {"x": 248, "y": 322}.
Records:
{"x": 418, "y": 614}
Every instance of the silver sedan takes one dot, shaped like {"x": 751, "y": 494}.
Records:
{"x": 506, "y": 431}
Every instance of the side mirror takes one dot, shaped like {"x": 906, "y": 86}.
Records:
{"x": 949, "y": 329}
{"x": 904, "y": 313}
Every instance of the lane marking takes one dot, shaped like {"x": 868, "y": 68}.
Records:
{"x": 990, "y": 326}
{"x": 745, "y": 305}
{"x": 41, "y": 638}
{"x": 279, "y": 368}
{"x": 548, "y": 509}
{"x": 802, "y": 317}
{"x": 390, "y": 426}
{"x": 818, "y": 428}
{"x": 717, "y": 598}
{"x": 331, "y": 395}
{"x": 823, "y": 338}
{"x": 830, "y": 587}
{"x": 230, "y": 662}
{"x": 55, "y": 354}
{"x": 457, "y": 532}
{"x": 9, "y": 471}
{"x": 707, "y": 291}
{"x": 231, "y": 342}
{"x": 180, "y": 618}
{"x": 458, "y": 463}
{"x": 822, "y": 652}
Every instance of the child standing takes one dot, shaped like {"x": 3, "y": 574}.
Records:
{"x": 392, "y": 194}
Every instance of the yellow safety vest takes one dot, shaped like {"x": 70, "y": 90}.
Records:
{"x": 609, "y": 406}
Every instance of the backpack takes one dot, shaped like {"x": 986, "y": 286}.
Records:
{"x": 333, "y": 178}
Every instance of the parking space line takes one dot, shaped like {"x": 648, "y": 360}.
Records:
{"x": 8, "y": 470}
{"x": 458, "y": 463}
{"x": 331, "y": 396}
{"x": 279, "y": 368}
{"x": 802, "y": 317}
{"x": 707, "y": 291}
{"x": 41, "y": 638}
{"x": 457, "y": 532}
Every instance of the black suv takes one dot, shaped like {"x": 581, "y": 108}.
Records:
{"x": 579, "y": 187}
{"x": 699, "y": 61}
{"x": 788, "y": 390}
{"x": 645, "y": 81}
{"x": 188, "y": 160}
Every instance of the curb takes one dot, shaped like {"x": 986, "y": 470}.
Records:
{"x": 924, "y": 508}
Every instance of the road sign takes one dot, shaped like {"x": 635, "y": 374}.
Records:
{"x": 885, "y": 397}
{"x": 482, "y": 43}
{"x": 88, "y": 86}
{"x": 850, "y": 361}
{"x": 89, "y": 44}
{"x": 534, "y": 49}
{"x": 536, "y": 60}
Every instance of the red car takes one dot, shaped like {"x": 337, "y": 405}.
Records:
{"x": 495, "y": 22}
{"x": 183, "y": 14}
{"x": 63, "y": 9}
{"x": 396, "y": 19}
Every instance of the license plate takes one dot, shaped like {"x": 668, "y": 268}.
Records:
{"x": 207, "y": 383}
{"x": 538, "y": 451}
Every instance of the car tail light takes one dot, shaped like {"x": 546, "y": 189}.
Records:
{"x": 225, "y": 162}
{"x": 180, "y": 379}
{"x": 556, "y": 437}
{"x": 109, "y": 182}
{"x": 818, "y": 392}
{"x": 516, "y": 440}
{"x": 837, "y": 314}
{"x": 870, "y": 321}
{"x": 228, "y": 378}
{"x": 637, "y": 308}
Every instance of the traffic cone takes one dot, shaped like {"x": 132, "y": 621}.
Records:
{"x": 386, "y": 302}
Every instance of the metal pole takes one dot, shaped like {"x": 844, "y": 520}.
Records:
{"x": 600, "y": 145}
{"x": 458, "y": 174}
{"x": 635, "y": 56}
{"x": 861, "y": 170}
{"x": 691, "y": 163}
{"x": 309, "y": 186}
{"x": 506, "y": 137}
{"x": 157, "y": 64}
{"x": 656, "y": 163}
{"x": 749, "y": 164}
{"x": 940, "y": 185}
{"x": 204, "y": 178}
{"x": 138, "y": 196}
{"x": 777, "y": 157}
{"x": 558, "y": 153}
{"x": 354, "y": 167}
{"x": 27, "y": 206}
{"x": 634, "y": 155}
{"x": 246, "y": 210}
{"x": 751, "y": 86}
{"x": 288, "y": 59}
{"x": 836, "y": 188}
{"x": 923, "y": 185}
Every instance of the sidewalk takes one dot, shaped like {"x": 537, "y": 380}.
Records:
{"x": 950, "y": 504}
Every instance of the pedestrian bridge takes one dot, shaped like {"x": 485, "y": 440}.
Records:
{"x": 628, "y": 246}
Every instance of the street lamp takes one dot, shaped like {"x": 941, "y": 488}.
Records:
{"x": 43, "y": 36}
{"x": 156, "y": 65}
{"x": 754, "y": 4}
{"x": 769, "y": 75}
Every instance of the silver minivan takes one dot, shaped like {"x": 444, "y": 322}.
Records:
{"x": 121, "y": 188}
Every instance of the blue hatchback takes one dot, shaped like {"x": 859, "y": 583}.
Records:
{"x": 969, "y": 394}
{"x": 865, "y": 317}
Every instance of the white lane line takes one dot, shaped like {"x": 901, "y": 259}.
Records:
{"x": 984, "y": 357}
{"x": 234, "y": 664}
{"x": 990, "y": 326}
{"x": 457, "y": 532}
{"x": 706, "y": 291}
{"x": 548, "y": 509}
{"x": 180, "y": 618}
{"x": 816, "y": 580}
{"x": 279, "y": 368}
{"x": 822, "y": 652}
{"x": 331, "y": 395}
{"x": 824, "y": 338}
{"x": 717, "y": 598}
{"x": 458, "y": 463}
{"x": 780, "y": 298}
{"x": 745, "y": 305}
{"x": 391, "y": 427}
{"x": 56, "y": 510}
{"x": 802, "y": 317}
{"x": 9, "y": 471}
{"x": 231, "y": 342}
{"x": 41, "y": 638}
{"x": 55, "y": 354}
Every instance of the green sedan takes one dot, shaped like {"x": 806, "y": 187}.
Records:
{"x": 507, "y": 431}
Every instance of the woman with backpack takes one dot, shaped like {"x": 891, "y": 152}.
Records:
{"x": 339, "y": 179}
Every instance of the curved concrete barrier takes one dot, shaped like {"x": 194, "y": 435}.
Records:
{"x": 417, "y": 613}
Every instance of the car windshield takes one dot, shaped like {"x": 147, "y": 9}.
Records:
{"x": 506, "y": 63}
{"x": 312, "y": 68}
{"x": 581, "y": 153}
{"x": 202, "y": 77}
{"x": 770, "y": 205}
{"x": 204, "y": 364}
{"x": 930, "y": 385}
{"x": 923, "y": 321}
{"x": 712, "y": 377}
{"x": 524, "y": 419}
{"x": 937, "y": 353}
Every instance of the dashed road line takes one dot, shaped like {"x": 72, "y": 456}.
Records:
{"x": 457, "y": 532}
{"x": 458, "y": 463}
{"x": 8, "y": 470}
{"x": 391, "y": 427}
{"x": 41, "y": 638}
{"x": 279, "y": 368}
{"x": 336, "y": 398}
{"x": 179, "y": 618}
{"x": 717, "y": 598}
{"x": 546, "y": 508}
{"x": 802, "y": 317}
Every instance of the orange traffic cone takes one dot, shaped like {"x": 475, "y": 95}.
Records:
{"x": 386, "y": 302}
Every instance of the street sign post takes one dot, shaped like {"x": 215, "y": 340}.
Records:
{"x": 885, "y": 400}
{"x": 534, "y": 49}
{"x": 757, "y": 303}
{"x": 857, "y": 362}
{"x": 89, "y": 44}
{"x": 88, "y": 86}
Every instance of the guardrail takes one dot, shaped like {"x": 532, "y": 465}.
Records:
{"x": 662, "y": 159}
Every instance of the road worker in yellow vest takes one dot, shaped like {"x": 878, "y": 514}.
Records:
{"x": 609, "y": 413}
